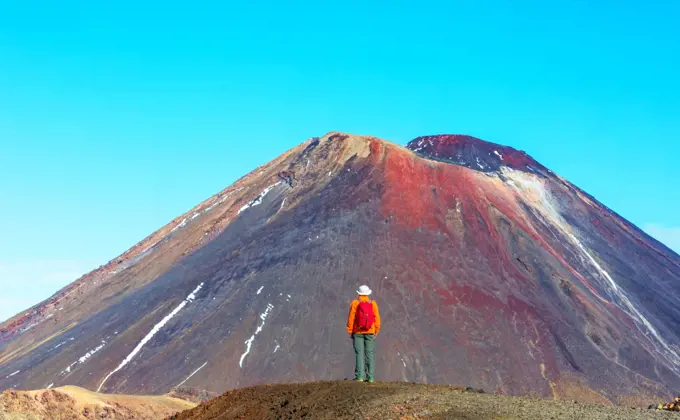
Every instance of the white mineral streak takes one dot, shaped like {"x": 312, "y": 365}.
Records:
{"x": 62, "y": 343}
{"x": 23, "y": 330}
{"x": 89, "y": 354}
{"x": 179, "y": 225}
{"x": 258, "y": 199}
{"x": 249, "y": 342}
{"x": 192, "y": 374}
{"x": 84, "y": 358}
{"x": 151, "y": 333}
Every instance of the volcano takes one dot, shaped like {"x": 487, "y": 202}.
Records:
{"x": 490, "y": 271}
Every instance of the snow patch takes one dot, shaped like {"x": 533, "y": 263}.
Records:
{"x": 258, "y": 199}
{"x": 23, "y": 330}
{"x": 192, "y": 295}
{"x": 259, "y": 290}
{"x": 62, "y": 343}
{"x": 83, "y": 358}
{"x": 90, "y": 353}
{"x": 50, "y": 385}
{"x": 151, "y": 333}
{"x": 192, "y": 374}
{"x": 59, "y": 345}
{"x": 12, "y": 374}
{"x": 179, "y": 225}
{"x": 498, "y": 154}
{"x": 212, "y": 206}
{"x": 141, "y": 254}
{"x": 249, "y": 342}
{"x": 420, "y": 145}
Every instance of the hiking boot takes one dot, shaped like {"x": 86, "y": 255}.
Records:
{"x": 371, "y": 381}
{"x": 358, "y": 380}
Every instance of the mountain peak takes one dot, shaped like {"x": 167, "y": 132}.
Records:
{"x": 473, "y": 153}
{"x": 476, "y": 251}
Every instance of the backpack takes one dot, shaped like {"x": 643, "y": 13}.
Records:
{"x": 365, "y": 317}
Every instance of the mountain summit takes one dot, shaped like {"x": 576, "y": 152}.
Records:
{"x": 473, "y": 153}
{"x": 489, "y": 269}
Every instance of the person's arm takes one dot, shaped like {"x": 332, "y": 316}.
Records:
{"x": 350, "y": 317}
{"x": 377, "y": 317}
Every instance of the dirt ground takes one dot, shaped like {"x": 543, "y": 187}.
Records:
{"x": 350, "y": 400}
{"x": 74, "y": 403}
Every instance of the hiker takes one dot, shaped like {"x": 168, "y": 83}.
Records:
{"x": 363, "y": 325}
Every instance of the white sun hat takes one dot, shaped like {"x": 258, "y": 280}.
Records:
{"x": 364, "y": 291}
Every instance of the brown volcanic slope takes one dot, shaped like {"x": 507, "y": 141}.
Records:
{"x": 489, "y": 269}
{"x": 398, "y": 401}
{"x": 71, "y": 402}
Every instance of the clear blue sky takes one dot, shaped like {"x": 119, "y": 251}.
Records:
{"x": 116, "y": 117}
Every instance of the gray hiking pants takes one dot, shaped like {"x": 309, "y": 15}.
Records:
{"x": 364, "y": 345}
